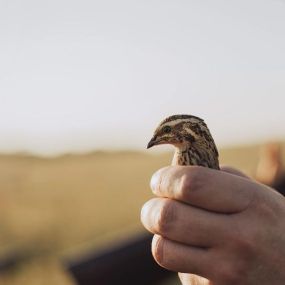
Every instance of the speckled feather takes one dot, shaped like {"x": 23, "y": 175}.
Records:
{"x": 193, "y": 142}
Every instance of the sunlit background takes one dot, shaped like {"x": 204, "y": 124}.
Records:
{"x": 100, "y": 74}
{"x": 83, "y": 76}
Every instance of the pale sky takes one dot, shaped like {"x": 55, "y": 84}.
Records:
{"x": 85, "y": 75}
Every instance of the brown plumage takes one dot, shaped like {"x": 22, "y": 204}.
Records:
{"x": 191, "y": 138}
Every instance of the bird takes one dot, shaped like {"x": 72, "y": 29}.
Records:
{"x": 193, "y": 142}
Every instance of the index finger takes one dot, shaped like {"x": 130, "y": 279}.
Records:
{"x": 205, "y": 188}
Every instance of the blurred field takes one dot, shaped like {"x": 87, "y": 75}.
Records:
{"x": 52, "y": 209}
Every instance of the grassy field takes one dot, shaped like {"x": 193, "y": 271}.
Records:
{"x": 59, "y": 208}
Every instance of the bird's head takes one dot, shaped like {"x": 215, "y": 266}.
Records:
{"x": 183, "y": 131}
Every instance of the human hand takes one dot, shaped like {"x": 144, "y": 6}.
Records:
{"x": 221, "y": 226}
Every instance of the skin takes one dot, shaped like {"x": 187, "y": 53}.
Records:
{"x": 217, "y": 227}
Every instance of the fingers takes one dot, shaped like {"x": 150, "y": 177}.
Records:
{"x": 179, "y": 257}
{"x": 191, "y": 279}
{"x": 204, "y": 188}
{"x": 184, "y": 223}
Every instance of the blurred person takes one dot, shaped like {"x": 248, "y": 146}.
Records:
{"x": 270, "y": 169}
{"x": 217, "y": 227}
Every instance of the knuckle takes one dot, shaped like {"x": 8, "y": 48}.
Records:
{"x": 166, "y": 216}
{"x": 241, "y": 243}
{"x": 268, "y": 211}
{"x": 231, "y": 278}
{"x": 245, "y": 246}
{"x": 243, "y": 239}
{"x": 231, "y": 274}
{"x": 191, "y": 181}
{"x": 233, "y": 268}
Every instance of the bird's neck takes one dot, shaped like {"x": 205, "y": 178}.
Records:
{"x": 189, "y": 155}
{"x": 181, "y": 155}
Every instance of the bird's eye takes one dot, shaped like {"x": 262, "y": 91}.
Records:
{"x": 166, "y": 129}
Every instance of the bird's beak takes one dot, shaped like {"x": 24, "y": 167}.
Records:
{"x": 152, "y": 142}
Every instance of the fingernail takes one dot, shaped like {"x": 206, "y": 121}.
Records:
{"x": 144, "y": 213}
{"x": 147, "y": 213}
{"x": 154, "y": 182}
